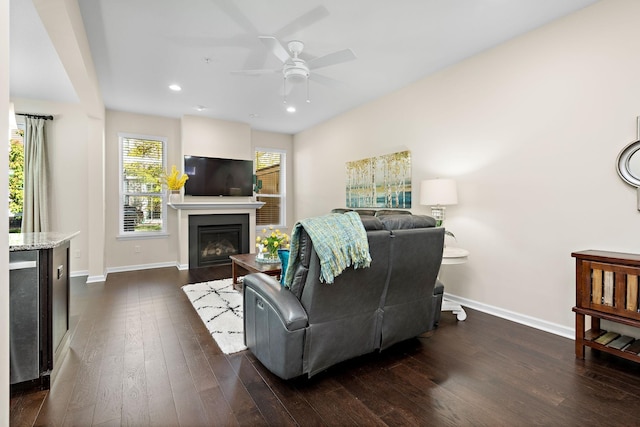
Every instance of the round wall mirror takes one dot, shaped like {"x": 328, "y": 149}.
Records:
{"x": 629, "y": 164}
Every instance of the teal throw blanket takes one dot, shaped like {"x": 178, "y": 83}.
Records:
{"x": 340, "y": 241}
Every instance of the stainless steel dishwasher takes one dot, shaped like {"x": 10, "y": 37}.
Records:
{"x": 24, "y": 314}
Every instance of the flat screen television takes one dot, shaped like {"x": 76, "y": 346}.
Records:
{"x": 210, "y": 176}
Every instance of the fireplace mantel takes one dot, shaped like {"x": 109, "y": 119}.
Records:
{"x": 186, "y": 208}
{"x": 216, "y": 205}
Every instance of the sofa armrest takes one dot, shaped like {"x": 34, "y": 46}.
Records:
{"x": 281, "y": 300}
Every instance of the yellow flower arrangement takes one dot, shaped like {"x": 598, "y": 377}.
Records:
{"x": 272, "y": 240}
{"x": 173, "y": 181}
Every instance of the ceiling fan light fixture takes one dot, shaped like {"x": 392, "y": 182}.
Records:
{"x": 291, "y": 109}
{"x": 296, "y": 73}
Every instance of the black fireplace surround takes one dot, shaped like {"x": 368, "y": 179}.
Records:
{"x": 213, "y": 238}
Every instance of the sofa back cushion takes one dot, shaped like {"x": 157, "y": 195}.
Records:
{"x": 404, "y": 222}
{"x": 371, "y": 223}
{"x": 385, "y": 212}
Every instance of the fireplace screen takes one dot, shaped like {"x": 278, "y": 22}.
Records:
{"x": 213, "y": 238}
{"x": 216, "y": 243}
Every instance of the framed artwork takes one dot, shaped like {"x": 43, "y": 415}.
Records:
{"x": 380, "y": 182}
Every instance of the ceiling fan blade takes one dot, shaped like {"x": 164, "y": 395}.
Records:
{"x": 327, "y": 81}
{"x": 332, "y": 59}
{"x": 303, "y": 21}
{"x": 276, "y": 47}
{"x": 236, "y": 15}
{"x": 199, "y": 42}
{"x": 256, "y": 72}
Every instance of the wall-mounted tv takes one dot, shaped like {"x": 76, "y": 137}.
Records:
{"x": 210, "y": 176}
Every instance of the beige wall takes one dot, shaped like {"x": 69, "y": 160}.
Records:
{"x": 203, "y": 136}
{"x": 68, "y": 172}
{"x": 531, "y": 131}
{"x": 123, "y": 254}
{"x": 189, "y": 135}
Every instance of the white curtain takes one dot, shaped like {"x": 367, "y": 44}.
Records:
{"x": 34, "y": 214}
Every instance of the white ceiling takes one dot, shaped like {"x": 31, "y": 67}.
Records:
{"x": 139, "y": 47}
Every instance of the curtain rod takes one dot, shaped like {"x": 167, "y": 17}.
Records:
{"x": 35, "y": 116}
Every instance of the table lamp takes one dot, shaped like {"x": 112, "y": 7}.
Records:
{"x": 438, "y": 193}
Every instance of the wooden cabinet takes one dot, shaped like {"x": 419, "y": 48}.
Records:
{"x": 606, "y": 288}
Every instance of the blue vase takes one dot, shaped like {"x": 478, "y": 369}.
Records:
{"x": 283, "y": 254}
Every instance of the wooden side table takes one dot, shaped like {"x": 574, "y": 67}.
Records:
{"x": 249, "y": 263}
{"x": 453, "y": 256}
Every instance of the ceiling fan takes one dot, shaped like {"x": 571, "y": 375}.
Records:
{"x": 247, "y": 38}
{"x": 295, "y": 69}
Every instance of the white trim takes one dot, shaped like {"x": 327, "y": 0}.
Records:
{"x": 183, "y": 266}
{"x": 79, "y": 273}
{"x": 141, "y": 267}
{"x": 96, "y": 279}
{"x": 283, "y": 184}
{"x": 216, "y": 205}
{"x": 103, "y": 278}
{"x": 522, "y": 319}
{"x": 162, "y": 194}
{"x": 142, "y": 235}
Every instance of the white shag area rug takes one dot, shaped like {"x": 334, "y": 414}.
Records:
{"x": 220, "y": 308}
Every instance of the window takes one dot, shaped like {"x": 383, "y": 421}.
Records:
{"x": 142, "y": 201}
{"x": 16, "y": 178}
{"x": 270, "y": 179}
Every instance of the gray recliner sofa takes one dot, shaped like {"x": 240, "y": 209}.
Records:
{"x": 311, "y": 326}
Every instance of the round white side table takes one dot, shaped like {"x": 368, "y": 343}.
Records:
{"x": 453, "y": 256}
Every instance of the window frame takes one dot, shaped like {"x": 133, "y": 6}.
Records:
{"x": 21, "y": 126}
{"x": 283, "y": 185}
{"x": 124, "y": 235}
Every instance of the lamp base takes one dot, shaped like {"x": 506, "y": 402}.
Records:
{"x": 437, "y": 212}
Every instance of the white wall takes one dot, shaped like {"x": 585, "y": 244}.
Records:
{"x": 531, "y": 131}
{"x": 123, "y": 254}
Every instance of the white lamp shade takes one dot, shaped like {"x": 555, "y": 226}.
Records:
{"x": 439, "y": 191}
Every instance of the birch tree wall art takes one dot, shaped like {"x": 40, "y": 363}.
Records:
{"x": 380, "y": 182}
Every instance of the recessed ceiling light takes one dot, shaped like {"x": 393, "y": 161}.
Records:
{"x": 291, "y": 109}
{"x": 174, "y": 87}
{"x": 200, "y": 107}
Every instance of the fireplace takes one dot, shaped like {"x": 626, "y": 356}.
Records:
{"x": 212, "y": 238}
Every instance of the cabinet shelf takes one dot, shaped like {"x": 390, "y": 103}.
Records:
{"x": 620, "y": 353}
{"x": 606, "y": 288}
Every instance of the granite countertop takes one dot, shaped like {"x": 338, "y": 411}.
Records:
{"x": 35, "y": 241}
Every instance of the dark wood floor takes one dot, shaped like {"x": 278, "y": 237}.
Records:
{"x": 139, "y": 355}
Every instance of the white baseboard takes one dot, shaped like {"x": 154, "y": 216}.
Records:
{"x": 523, "y": 319}
{"x": 183, "y": 266}
{"x": 96, "y": 279}
{"x": 103, "y": 278}
{"x": 79, "y": 273}
{"x": 141, "y": 267}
